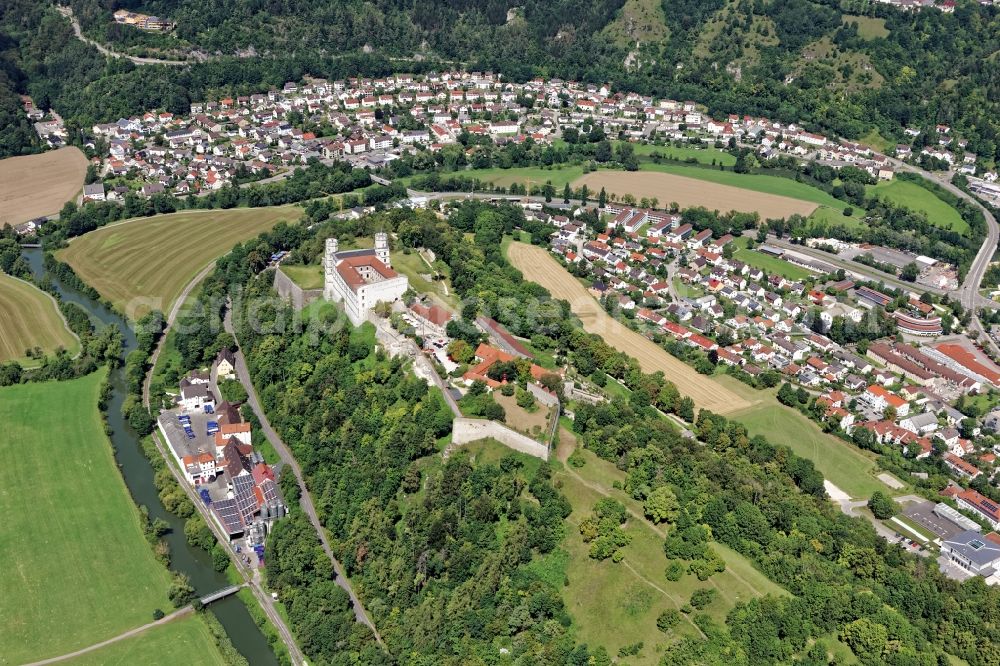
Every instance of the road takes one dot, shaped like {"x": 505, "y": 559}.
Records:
{"x": 179, "y": 613}
{"x": 243, "y": 374}
{"x": 969, "y": 292}
{"x": 68, "y": 13}
{"x": 171, "y": 318}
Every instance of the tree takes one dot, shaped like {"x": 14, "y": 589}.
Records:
{"x": 602, "y": 198}
{"x": 567, "y": 193}
{"x": 909, "y": 272}
{"x": 460, "y": 351}
{"x": 668, "y": 619}
{"x": 603, "y": 151}
{"x": 882, "y": 506}
{"x": 866, "y": 638}
{"x": 661, "y": 505}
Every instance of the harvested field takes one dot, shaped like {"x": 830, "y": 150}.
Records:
{"x": 37, "y": 185}
{"x": 145, "y": 263}
{"x": 539, "y": 266}
{"x": 29, "y": 318}
{"x": 688, "y": 192}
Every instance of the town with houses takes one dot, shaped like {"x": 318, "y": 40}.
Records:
{"x": 203, "y": 150}
{"x": 677, "y": 284}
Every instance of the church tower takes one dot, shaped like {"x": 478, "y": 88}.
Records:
{"x": 382, "y": 248}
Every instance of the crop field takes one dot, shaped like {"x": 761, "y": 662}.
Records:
{"x": 35, "y": 185}
{"x": 184, "y": 641}
{"x": 755, "y": 182}
{"x": 916, "y": 198}
{"x": 539, "y": 266}
{"x": 845, "y": 466}
{"x": 687, "y": 191}
{"x": 767, "y": 263}
{"x": 78, "y": 569}
{"x": 144, "y": 263}
{"x": 29, "y": 318}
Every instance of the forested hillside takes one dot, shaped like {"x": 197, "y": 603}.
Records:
{"x": 847, "y": 66}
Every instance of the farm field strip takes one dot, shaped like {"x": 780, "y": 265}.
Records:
{"x": 689, "y": 191}
{"x": 538, "y": 266}
{"x": 30, "y": 318}
{"x": 35, "y": 185}
{"x": 84, "y": 573}
{"x": 144, "y": 263}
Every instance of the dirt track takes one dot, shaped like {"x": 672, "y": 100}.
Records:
{"x": 688, "y": 192}
{"x": 36, "y": 185}
{"x": 539, "y": 266}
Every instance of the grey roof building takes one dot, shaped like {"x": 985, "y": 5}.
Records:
{"x": 976, "y": 553}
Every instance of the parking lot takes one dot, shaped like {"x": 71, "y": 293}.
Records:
{"x": 922, "y": 513}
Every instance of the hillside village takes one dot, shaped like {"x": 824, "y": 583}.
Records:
{"x": 372, "y": 122}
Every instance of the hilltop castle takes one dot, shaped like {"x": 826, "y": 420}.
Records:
{"x": 361, "y": 278}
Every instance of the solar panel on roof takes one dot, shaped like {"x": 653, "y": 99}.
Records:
{"x": 229, "y": 515}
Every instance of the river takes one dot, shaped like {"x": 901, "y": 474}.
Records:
{"x": 138, "y": 475}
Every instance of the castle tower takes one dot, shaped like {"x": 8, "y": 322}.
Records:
{"x": 382, "y": 248}
{"x": 329, "y": 267}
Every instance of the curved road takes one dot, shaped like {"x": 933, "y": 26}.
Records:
{"x": 68, "y": 13}
{"x": 243, "y": 374}
{"x": 969, "y": 293}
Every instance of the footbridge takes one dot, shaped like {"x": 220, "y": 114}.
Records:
{"x": 221, "y": 594}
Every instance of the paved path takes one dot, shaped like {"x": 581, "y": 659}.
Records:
{"x": 171, "y": 318}
{"x": 243, "y": 374}
{"x": 180, "y": 612}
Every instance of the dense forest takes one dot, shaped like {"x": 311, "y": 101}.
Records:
{"x": 804, "y": 61}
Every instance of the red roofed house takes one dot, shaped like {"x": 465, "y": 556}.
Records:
{"x": 487, "y": 357}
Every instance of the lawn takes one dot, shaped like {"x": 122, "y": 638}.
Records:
{"x": 868, "y": 27}
{"x": 29, "y": 318}
{"x": 704, "y": 155}
{"x": 416, "y": 271}
{"x": 785, "y": 187}
{"x": 846, "y": 466}
{"x": 559, "y": 175}
{"x": 307, "y": 277}
{"x": 184, "y": 641}
{"x": 145, "y": 263}
{"x": 916, "y": 198}
{"x": 79, "y": 570}
{"x": 767, "y": 263}
{"x": 833, "y": 217}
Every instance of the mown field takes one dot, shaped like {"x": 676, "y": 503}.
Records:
{"x": 184, "y": 641}
{"x": 29, "y": 318}
{"x": 916, "y": 198}
{"x": 687, "y": 191}
{"x": 767, "y": 263}
{"x": 846, "y": 466}
{"x": 785, "y": 187}
{"x": 145, "y": 263}
{"x": 36, "y": 185}
{"x": 77, "y": 567}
